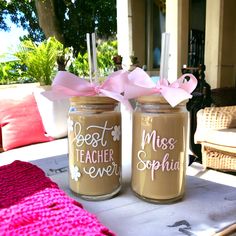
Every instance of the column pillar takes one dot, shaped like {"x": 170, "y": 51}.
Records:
{"x": 177, "y": 24}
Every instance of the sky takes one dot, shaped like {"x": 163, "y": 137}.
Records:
{"x": 10, "y": 40}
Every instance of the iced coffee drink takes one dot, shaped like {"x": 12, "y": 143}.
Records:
{"x": 159, "y": 150}
{"x": 94, "y": 135}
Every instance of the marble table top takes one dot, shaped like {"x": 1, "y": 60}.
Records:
{"x": 209, "y": 204}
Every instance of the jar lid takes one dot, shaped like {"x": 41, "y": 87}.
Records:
{"x": 155, "y": 99}
{"x": 93, "y": 100}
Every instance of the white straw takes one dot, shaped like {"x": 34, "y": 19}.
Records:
{"x": 89, "y": 56}
{"x": 94, "y": 56}
{"x": 165, "y": 45}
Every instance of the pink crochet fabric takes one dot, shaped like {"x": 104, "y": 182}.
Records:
{"x": 31, "y": 204}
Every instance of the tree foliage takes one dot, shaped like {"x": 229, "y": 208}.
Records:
{"x": 74, "y": 19}
{"x": 23, "y": 14}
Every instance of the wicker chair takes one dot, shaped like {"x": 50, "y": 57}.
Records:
{"x": 216, "y": 132}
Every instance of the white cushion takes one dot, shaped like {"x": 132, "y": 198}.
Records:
{"x": 54, "y": 113}
{"x": 223, "y": 137}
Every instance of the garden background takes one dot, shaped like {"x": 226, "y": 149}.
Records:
{"x": 55, "y": 38}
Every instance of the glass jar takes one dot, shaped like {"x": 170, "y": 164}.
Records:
{"x": 94, "y": 137}
{"x": 160, "y": 142}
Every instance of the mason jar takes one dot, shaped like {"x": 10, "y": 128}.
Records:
{"x": 159, "y": 150}
{"x": 94, "y": 137}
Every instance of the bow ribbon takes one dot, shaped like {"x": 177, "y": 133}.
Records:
{"x": 66, "y": 84}
{"x": 133, "y": 84}
{"x": 140, "y": 84}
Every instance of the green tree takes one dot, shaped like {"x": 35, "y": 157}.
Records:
{"x": 22, "y": 13}
{"x": 67, "y": 20}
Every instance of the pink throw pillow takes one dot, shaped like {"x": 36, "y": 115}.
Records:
{"x": 20, "y": 123}
{"x": 1, "y": 139}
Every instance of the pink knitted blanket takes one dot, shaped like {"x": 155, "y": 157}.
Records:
{"x": 31, "y": 204}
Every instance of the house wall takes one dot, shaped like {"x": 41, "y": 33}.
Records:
{"x": 220, "y": 47}
{"x": 220, "y": 37}
{"x": 124, "y": 31}
{"x": 131, "y": 30}
{"x": 177, "y": 24}
{"x": 228, "y": 53}
{"x": 212, "y": 41}
{"x": 138, "y": 30}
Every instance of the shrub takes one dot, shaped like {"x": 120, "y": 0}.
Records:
{"x": 40, "y": 60}
{"x": 105, "y": 53}
{"x": 11, "y": 71}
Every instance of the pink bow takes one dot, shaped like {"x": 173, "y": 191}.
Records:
{"x": 140, "y": 84}
{"x": 66, "y": 84}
